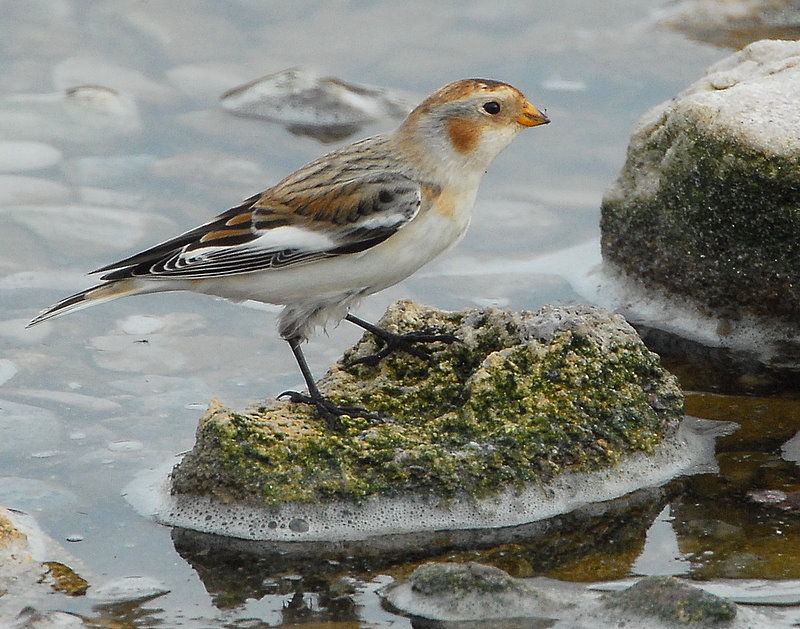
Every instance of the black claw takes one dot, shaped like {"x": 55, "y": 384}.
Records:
{"x": 406, "y": 343}
{"x": 329, "y": 411}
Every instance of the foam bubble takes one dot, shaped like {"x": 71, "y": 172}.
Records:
{"x": 690, "y": 451}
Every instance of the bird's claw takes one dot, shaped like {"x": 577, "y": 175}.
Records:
{"x": 406, "y": 343}
{"x": 329, "y": 411}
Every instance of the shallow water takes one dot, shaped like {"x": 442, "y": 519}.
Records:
{"x": 90, "y": 400}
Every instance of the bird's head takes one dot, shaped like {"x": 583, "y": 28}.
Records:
{"x": 465, "y": 124}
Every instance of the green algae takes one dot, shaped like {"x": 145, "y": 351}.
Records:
{"x": 448, "y": 578}
{"x": 672, "y": 600}
{"x": 708, "y": 218}
{"x": 520, "y": 398}
{"x": 65, "y": 579}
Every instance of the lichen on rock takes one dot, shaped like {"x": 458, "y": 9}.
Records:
{"x": 707, "y": 206}
{"x": 674, "y": 601}
{"x": 518, "y": 399}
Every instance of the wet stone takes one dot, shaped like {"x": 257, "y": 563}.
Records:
{"x": 322, "y": 107}
{"x": 704, "y": 217}
{"x": 674, "y": 601}
{"x": 527, "y": 416}
{"x": 468, "y": 592}
{"x": 519, "y": 398}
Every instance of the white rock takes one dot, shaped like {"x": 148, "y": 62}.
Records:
{"x": 699, "y": 231}
{"x": 751, "y": 97}
{"x": 690, "y": 452}
{"x": 140, "y": 325}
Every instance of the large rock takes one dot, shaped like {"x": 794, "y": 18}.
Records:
{"x": 519, "y": 398}
{"x": 529, "y": 415}
{"x": 707, "y": 206}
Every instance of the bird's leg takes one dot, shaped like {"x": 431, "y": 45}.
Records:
{"x": 327, "y": 409}
{"x": 405, "y": 342}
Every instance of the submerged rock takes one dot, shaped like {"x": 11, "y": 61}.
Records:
{"x": 529, "y": 415}
{"x": 705, "y": 215}
{"x": 325, "y": 108}
{"x": 445, "y": 595}
{"x": 674, "y": 601}
{"x": 456, "y": 592}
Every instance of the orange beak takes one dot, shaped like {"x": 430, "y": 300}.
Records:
{"x": 531, "y": 117}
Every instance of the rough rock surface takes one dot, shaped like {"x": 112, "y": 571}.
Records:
{"x": 33, "y": 568}
{"x": 519, "y": 399}
{"x": 707, "y": 206}
{"x": 479, "y": 595}
{"x": 325, "y": 108}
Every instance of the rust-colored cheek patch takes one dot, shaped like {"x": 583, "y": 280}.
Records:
{"x": 464, "y": 135}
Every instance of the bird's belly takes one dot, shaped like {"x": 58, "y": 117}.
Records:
{"x": 364, "y": 273}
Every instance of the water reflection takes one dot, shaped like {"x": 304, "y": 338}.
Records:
{"x": 163, "y": 155}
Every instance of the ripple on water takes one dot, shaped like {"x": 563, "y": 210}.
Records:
{"x": 21, "y": 156}
{"x": 29, "y": 429}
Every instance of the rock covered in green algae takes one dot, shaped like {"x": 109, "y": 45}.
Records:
{"x": 707, "y": 205}
{"x": 471, "y": 592}
{"x": 521, "y": 397}
{"x": 674, "y": 601}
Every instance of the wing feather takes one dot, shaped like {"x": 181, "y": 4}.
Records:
{"x": 282, "y": 227}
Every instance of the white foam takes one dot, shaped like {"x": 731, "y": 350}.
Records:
{"x": 608, "y": 287}
{"x": 690, "y": 451}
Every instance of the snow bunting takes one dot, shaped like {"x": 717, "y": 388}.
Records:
{"x": 344, "y": 226}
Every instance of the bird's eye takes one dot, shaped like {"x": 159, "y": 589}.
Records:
{"x": 492, "y": 107}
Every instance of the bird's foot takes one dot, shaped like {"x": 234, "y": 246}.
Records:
{"x": 404, "y": 342}
{"x": 329, "y": 411}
